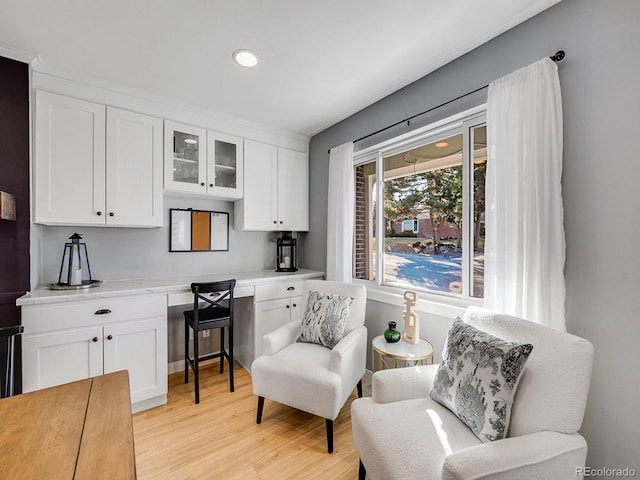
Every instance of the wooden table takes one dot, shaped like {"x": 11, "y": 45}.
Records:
{"x": 80, "y": 430}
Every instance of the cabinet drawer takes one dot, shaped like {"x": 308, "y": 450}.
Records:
{"x": 43, "y": 318}
{"x": 278, "y": 290}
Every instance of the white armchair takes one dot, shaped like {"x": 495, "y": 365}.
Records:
{"x": 401, "y": 433}
{"x": 311, "y": 377}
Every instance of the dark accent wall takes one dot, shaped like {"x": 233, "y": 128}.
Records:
{"x": 599, "y": 79}
{"x": 14, "y": 179}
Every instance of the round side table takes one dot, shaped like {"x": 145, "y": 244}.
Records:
{"x": 409, "y": 353}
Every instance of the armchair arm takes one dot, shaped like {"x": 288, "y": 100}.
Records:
{"x": 404, "y": 383}
{"x": 538, "y": 455}
{"x": 349, "y": 358}
{"x": 275, "y": 341}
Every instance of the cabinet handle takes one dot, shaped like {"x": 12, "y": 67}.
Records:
{"x": 287, "y": 306}
{"x": 94, "y": 339}
{"x": 202, "y": 184}
{"x": 111, "y": 214}
{"x": 275, "y": 222}
{"x": 98, "y": 213}
{"x": 110, "y": 337}
{"x": 291, "y": 288}
{"x": 102, "y": 311}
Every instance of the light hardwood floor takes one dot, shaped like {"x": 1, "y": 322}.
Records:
{"x": 219, "y": 438}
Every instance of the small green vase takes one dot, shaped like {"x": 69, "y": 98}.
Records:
{"x": 392, "y": 335}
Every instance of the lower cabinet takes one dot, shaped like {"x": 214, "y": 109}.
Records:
{"x": 71, "y": 341}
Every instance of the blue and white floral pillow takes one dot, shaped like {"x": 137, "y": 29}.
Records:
{"x": 478, "y": 377}
{"x": 324, "y": 319}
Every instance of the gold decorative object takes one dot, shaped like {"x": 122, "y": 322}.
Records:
{"x": 7, "y": 206}
{"x": 411, "y": 331}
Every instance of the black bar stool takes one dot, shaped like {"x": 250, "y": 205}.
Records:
{"x": 10, "y": 334}
{"x": 217, "y": 314}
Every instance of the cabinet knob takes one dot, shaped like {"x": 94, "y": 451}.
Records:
{"x": 110, "y": 337}
{"x": 98, "y": 213}
{"x": 287, "y": 306}
{"x": 275, "y": 222}
{"x": 281, "y": 222}
{"x": 211, "y": 185}
{"x": 202, "y": 184}
{"x": 94, "y": 339}
{"x": 102, "y": 311}
{"x": 111, "y": 214}
{"x": 295, "y": 305}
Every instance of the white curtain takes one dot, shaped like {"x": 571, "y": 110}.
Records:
{"x": 340, "y": 213}
{"x": 525, "y": 244}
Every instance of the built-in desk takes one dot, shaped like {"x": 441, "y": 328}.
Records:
{"x": 70, "y": 335}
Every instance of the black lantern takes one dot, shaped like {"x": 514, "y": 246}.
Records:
{"x": 75, "y": 271}
{"x": 287, "y": 260}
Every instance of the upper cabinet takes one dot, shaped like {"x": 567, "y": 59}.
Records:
{"x": 276, "y": 193}
{"x": 96, "y": 165}
{"x": 201, "y": 162}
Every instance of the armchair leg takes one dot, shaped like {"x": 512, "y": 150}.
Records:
{"x": 359, "y": 386}
{"x": 329, "y": 435}
{"x": 260, "y": 407}
{"x": 362, "y": 473}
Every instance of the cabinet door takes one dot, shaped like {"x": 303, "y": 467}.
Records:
{"x": 269, "y": 316}
{"x": 134, "y": 169}
{"x": 258, "y": 208}
{"x": 293, "y": 191}
{"x": 139, "y": 346}
{"x": 224, "y": 166}
{"x": 69, "y": 165}
{"x": 185, "y": 157}
{"x": 297, "y": 308}
{"x": 59, "y": 357}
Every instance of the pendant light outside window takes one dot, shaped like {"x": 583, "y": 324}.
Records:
{"x": 245, "y": 57}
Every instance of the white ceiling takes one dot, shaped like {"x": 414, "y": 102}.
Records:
{"x": 320, "y": 61}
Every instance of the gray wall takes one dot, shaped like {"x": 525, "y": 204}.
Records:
{"x": 599, "y": 79}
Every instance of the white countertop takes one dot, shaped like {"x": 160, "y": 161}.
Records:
{"x": 163, "y": 285}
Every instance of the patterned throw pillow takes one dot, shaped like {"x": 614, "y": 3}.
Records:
{"x": 324, "y": 319}
{"x": 478, "y": 377}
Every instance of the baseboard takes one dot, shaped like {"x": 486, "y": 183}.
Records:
{"x": 149, "y": 403}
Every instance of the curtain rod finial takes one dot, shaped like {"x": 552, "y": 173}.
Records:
{"x": 559, "y": 56}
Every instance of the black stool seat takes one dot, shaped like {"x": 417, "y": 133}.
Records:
{"x": 218, "y": 314}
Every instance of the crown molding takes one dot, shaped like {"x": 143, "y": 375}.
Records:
{"x": 23, "y": 56}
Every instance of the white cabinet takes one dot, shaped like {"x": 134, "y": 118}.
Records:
{"x": 201, "y": 162}
{"x": 96, "y": 165}
{"x": 75, "y": 340}
{"x": 274, "y": 306}
{"x": 276, "y": 193}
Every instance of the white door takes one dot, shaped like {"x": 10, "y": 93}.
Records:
{"x": 297, "y": 308}
{"x": 258, "y": 210}
{"x": 139, "y": 346}
{"x": 224, "y": 166}
{"x": 269, "y": 316}
{"x": 293, "y": 191}
{"x": 185, "y": 158}
{"x": 69, "y": 164}
{"x": 64, "y": 356}
{"x": 134, "y": 169}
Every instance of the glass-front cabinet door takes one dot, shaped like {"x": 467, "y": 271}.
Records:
{"x": 185, "y": 153}
{"x": 225, "y": 165}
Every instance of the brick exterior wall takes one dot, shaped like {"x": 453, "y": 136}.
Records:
{"x": 360, "y": 225}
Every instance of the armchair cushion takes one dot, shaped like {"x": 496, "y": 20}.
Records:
{"x": 324, "y": 319}
{"x": 478, "y": 377}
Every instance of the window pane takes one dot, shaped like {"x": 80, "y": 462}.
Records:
{"x": 423, "y": 217}
{"x": 479, "y": 158}
{"x": 365, "y": 221}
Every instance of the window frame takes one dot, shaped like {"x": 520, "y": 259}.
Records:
{"x": 444, "y": 303}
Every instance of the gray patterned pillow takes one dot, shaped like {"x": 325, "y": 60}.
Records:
{"x": 478, "y": 377}
{"x": 324, "y": 319}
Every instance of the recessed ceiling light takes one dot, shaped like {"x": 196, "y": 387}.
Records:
{"x": 246, "y": 58}
{"x": 190, "y": 141}
{"x": 442, "y": 144}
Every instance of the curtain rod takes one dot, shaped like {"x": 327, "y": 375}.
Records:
{"x": 557, "y": 57}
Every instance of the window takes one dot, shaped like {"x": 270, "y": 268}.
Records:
{"x": 423, "y": 197}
